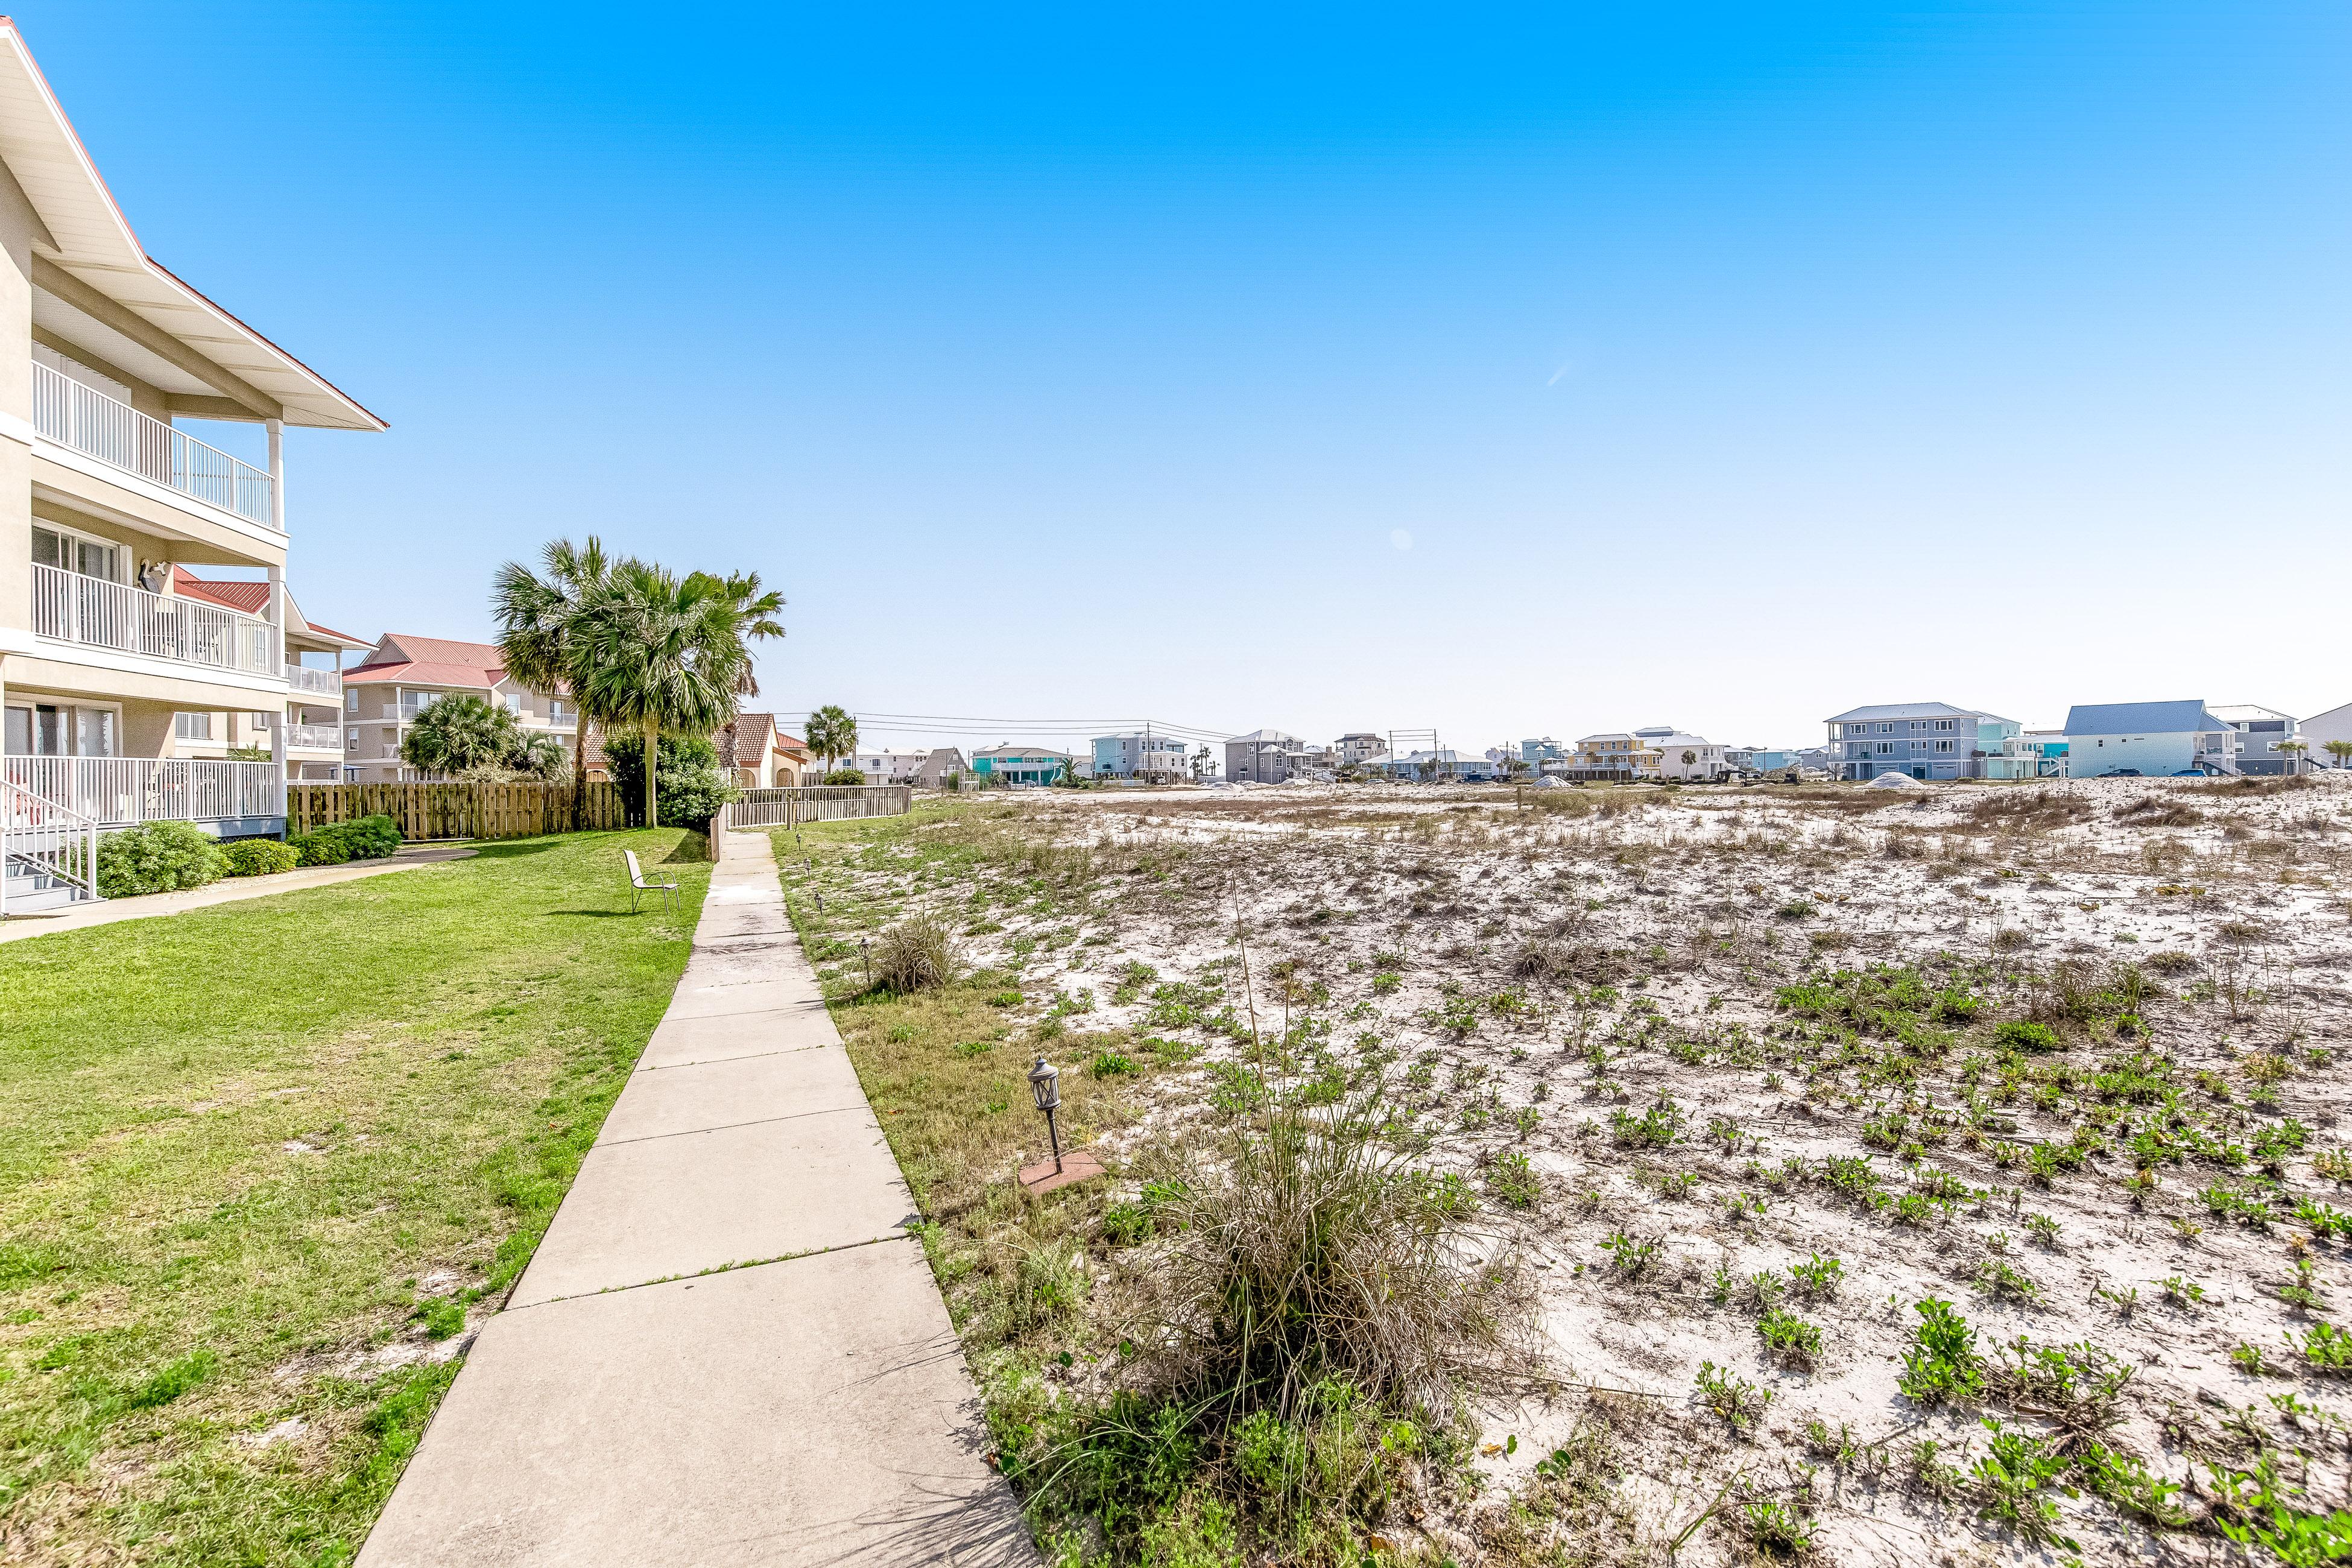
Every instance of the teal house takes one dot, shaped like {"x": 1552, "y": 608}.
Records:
{"x": 1019, "y": 765}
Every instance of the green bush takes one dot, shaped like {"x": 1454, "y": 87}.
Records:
{"x": 260, "y": 857}
{"x": 845, "y": 776}
{"x": 321, "y": 846}
{"x": 688, "y": 788}
{"x": 371, "y": 837}
{"x": 363, "y": 838}
{"x": 157, "y": 857}
{"x": 2025, "y": 1036}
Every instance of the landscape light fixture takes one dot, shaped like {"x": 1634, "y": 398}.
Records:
{"x": 1045, "y": 1088}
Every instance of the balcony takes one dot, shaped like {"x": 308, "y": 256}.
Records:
{"x": 115, "y": 434}
{"x": 316, "y": 736}
{"x": 302, "y": 681}
{"x": 99, "y": 614}
{"x": 116, "y": 792}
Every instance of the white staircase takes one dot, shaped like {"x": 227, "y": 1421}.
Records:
{"x": 48, "y": 854}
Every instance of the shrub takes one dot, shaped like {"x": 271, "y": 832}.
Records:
{"x": 1310, "y": 1250}
{"x": 371, "y": 837}
{"x": 363, "y": 838}
{"x": 260, "y": 857}
{"x": 1790, "y": 1336}
{"x": 845, "y": 776}
{"x": 2020, "y": 1034}
{"x": 688, "y": 788}
{"x": 914, "y": 955}
{"x": 321, "y": 846}
{"x": 1942, "y": 1363}
{"x": 157, "y": 857}
{"x": 1738, "y": 1402}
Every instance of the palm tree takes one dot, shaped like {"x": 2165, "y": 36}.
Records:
{"x": 539, "y": 618}
{"x": 2339, "y": 750}
{"x": 460, "y": 732}
{"x": 663, "y": 653}
{"x": 2294, "y": 750}
{"x": 832, "y": 733}
{"x": 756, "y": 616}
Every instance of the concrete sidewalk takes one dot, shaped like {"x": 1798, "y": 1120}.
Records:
{"x": 728, "y": 1348}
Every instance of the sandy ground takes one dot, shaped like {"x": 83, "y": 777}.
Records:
{"x": 1533, "y": 979}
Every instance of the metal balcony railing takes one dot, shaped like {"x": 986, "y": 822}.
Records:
{"x": 320, "y": 682}
{"x": 115, "y": 792}
{"x": 99, "y": 614}
{"x": 119, "y": 435}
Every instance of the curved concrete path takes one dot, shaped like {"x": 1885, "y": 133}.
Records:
{"x": 728, "y": 1348}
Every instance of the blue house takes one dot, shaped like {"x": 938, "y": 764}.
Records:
{"x": 2149, "y": 739}
{"x": 1924, "y": 739}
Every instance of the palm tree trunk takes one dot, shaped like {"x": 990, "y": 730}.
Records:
{"x": 653, "y": 758}
{"x": 579, "y": 771}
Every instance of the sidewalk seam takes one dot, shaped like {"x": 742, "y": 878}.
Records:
{"x": 712, "y": 1273}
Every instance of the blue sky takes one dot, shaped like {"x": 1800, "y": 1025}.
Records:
{"x": 1505, "y": 372}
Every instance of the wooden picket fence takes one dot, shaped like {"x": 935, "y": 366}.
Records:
{"x": 453, "y": 810}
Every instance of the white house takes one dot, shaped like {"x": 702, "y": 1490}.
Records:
{"x": 2150, "y": 739}
{"x": 1686, "y": 758}
{"x": 2315, "y": 732}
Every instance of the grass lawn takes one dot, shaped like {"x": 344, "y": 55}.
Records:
{"x": 261, "y": 1166}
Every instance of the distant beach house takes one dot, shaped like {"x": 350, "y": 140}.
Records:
{"x": 930, "y": 768}
{"x": 1358, "y": 746}
{"x": 1010, "y": 764}
{"x": 1443, "y": 766}
{"x": 1138, "y": 755}
{"x": 1656, "y": 753}
{"x": 1924, "y": 739}
{"x": 2315, "y": 732}
{"x": 2264, "y": 729}
{"x": 2152, "y": 739}
{"x": 1272, "y": 756}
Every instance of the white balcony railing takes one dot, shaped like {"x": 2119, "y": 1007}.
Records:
{"x": 99, "y": 614}
{"x": 119, "y": 435}
{"x": 329, "y": 735}
{"x": 116, "y": 792}
{"x": 324, "y": 682}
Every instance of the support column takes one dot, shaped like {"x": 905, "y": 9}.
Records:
{"x": 277, "y": 429}
{"x": 278, "y": 720}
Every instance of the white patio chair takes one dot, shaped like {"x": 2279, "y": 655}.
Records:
{"x": 639, "y": 887}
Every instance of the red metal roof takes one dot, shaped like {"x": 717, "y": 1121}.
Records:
{"x": 253, "y": 598}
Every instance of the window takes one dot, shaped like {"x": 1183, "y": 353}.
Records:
{"x": 1943, "y": 723}
{"x": 94, "y": 731}
{"x": 514, "y": 702}
{"x": 412, "y": 703}
{"x": 351, "y": 702}
{"x": 350, "y": 740}
{"x": 1943, "y": 745}
{"x": 70, "y": 551}
{"x": 260, "y": 722}
{"x": 1886, "y": 747}
{"x": 191, "y": 726}
{"x": 555, "y": 710}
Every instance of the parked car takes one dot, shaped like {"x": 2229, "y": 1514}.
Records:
{"x": 2121, "y": 773}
